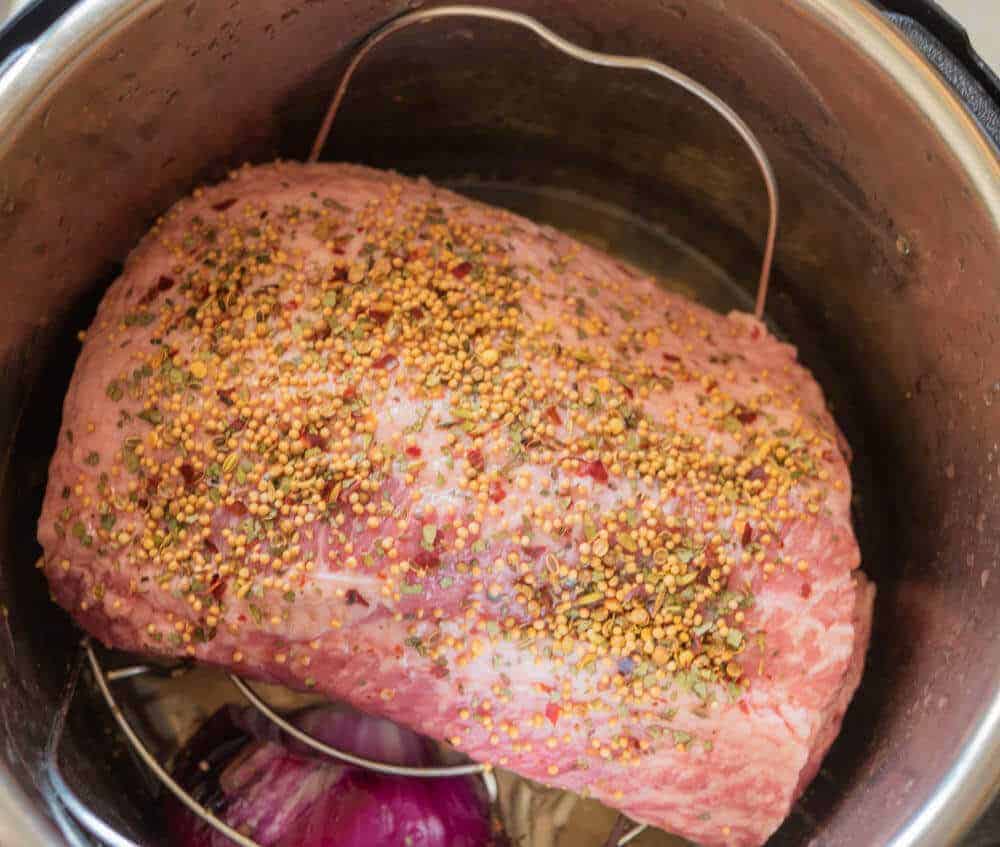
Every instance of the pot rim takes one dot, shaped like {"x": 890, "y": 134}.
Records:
{"x": 29, "y": 82}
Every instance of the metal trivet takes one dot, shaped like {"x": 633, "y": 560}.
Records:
{"x": 623, "y": 832}
{"x": 590, "y": 57}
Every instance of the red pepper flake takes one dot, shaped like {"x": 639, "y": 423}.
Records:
{"x": 755, "y": 333}
{"x": 314, "y": 439}
{"x": 427, "y": 559}
{"x": 595, "y": 470}
{"x": 225, "y": 204}
{"x": 747, "y": 536}
{"x": 496, "y": 491}
{"x": 291, "y": 305}
{"x": 413, "y": 451}
{"x": 670, "y": 357}
{"x": 164, "y": 283}
{"x": 745, "y": 416}
{"x": 238, "y": 425}
{"x": 744, "y": 707}
{"x": 552, "y": 712}
{"x": 217, "y": 588}
{"x": 225, "y": 396}
{"x": 416, "y": 313}
{"x": 439, "y": 671}
{"x": 757, "y": 474}
{"x": 354, "y": 597}
{"x": 628, "y": 391}
{"x": 380, "y": 316}
{"x": 387, "y": 362}
{"x": 187, "y": 471}
{"x": 806, "y": 590}
{"x": 210, "y": 546}
{"x": 237, "y": 509}
{"x": 461, "y": 271}
{"x": 552, "y": 415}
{"x": 476, "y": 459}
{"x": 349, "y": 393}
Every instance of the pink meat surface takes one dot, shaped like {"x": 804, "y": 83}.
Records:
{"x": 349, "y": 432}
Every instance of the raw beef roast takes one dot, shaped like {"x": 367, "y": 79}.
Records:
{"x": 350, "y": 432}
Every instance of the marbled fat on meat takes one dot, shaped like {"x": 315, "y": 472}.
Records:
{"x": 349, "y": 432}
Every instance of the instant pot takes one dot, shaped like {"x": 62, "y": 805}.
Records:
{"x": 882, "y": 127}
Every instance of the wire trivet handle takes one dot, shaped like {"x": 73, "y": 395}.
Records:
{"x": 591, "y": 57}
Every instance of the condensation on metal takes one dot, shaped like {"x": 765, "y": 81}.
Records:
{"x": 591, "y": 57}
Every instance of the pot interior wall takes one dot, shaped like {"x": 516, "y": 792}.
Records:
{"x": 885, "y": 279}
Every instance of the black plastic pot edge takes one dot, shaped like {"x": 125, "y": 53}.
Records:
{"x": 943, "y": 26}
{"x": 947, "y": 46}
{"x": 29, "y": 22}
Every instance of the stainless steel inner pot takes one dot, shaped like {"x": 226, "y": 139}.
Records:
{"x": 887, "y": 278}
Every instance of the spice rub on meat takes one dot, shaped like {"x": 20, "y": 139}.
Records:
{"x": 353, "y": 433}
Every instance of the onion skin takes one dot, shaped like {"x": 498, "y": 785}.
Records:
{"x": 280, "y": 793}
